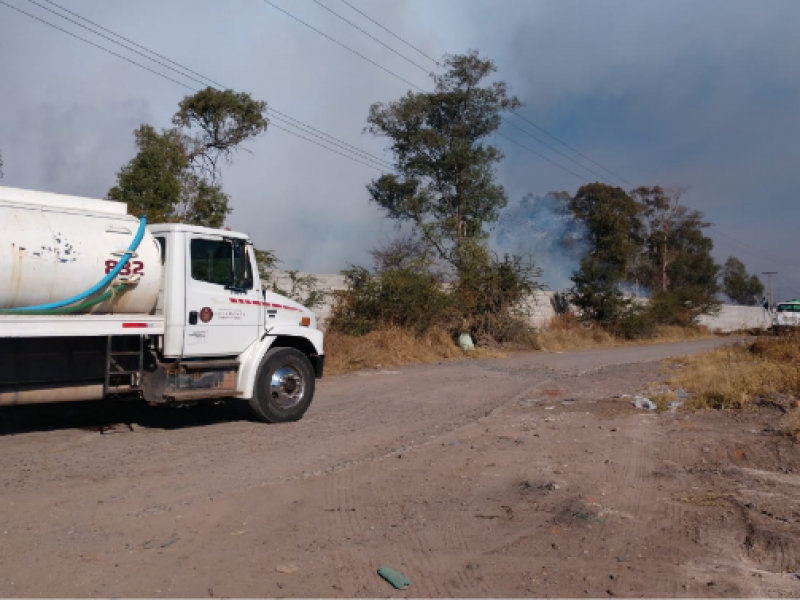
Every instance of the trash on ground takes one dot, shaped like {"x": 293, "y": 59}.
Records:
{"x": 644, "y": 403}
{"x": 682, "y": 393}
{"x": 287, "y": 568}
{"x": 397, "y": 579}
{"x": 674, "y": 404}
{"x": 465, "y": 342}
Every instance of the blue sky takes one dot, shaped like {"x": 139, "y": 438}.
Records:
{"x": 660, "y": 92}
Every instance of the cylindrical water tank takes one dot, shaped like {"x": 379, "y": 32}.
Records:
{"x": 53, "y": 247}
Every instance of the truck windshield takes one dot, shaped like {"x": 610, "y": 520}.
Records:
{"x": 788, "y": 307}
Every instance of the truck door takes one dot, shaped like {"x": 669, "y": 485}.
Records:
{"x": 223, "y": 308}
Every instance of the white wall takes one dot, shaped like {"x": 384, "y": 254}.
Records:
{"x": 730, "y": 317}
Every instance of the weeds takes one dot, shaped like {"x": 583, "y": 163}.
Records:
{"x": 393, "y": 347}
{"x": 567, "y": 332}
{"x": 735, "y": 376}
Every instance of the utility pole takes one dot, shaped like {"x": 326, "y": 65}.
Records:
{"x": 769, "y": 275}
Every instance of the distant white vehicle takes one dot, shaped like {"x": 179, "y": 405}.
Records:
{"x": 787, "y": 314}
{"x": 96, "y": 304}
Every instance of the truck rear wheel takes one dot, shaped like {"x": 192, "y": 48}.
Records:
{"x": 284, "y": 386}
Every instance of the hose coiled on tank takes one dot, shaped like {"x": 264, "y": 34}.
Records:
{"x": 56, "y": 308}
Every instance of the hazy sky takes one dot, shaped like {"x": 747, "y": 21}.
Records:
{"x": 704, "y": 93}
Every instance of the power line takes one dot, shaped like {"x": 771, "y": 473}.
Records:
{"x": 547, "y": 133}
{"x": 403, "y": 56}
{"x": 503, "y": 118}
{"x": 420, "y": 89}
{"x": 125, "y": 58}
{"x": 187, "y": 69}
{"x": 380, "y": 165}
{"x": 542, "y": 157}
{"x": 366, "y": 16}
{"x": 312, "y": 130}
{"x": 528, "y": 133}
{"x": 345, "y": 46}
{"x": 748, "y": 248}
{"x": 578, "y": 152}
{"x": 327, "y": 148}
{"x": 113, "y": 41}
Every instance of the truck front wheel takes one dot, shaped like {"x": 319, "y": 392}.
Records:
{"x": 284, "y": 386}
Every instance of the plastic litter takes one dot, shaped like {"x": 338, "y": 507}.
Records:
{"x": 674, "y": 404}
{"x": 682, "y": 393}
{"x": 465, "y": 342}
{"x": 644, "y": 403}
{"x": 397, "y": 579}
{"x": 287, "y": 569}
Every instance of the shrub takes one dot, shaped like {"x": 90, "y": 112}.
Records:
{"x": 399, "y": 297}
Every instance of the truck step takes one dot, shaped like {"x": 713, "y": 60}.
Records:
{"x": 211, "y": 364}
{"x": 201, "y": 394}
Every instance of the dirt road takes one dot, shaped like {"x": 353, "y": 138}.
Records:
{"x": 515, "y": 477}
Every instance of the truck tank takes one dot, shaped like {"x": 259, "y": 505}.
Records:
{"x": 53, "y": 247}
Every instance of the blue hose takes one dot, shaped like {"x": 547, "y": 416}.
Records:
{"x": 99, "y": 286}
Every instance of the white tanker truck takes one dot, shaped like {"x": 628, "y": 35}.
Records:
{"x": 96, "y": 304}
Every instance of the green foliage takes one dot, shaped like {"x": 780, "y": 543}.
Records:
{"x": 486, "y": 299}
{"x": 174, "y": 176}
{"x": 267, "y": 262}
{"x": 645, "y": 241}
{"x": 445, "y": 181}
{"x": 613, "y": 227}
{"x": 303, "y": 289}
{"x": 403, "y": 297}
{"x": 740, "y": 287}
{"x": 219, "y": 122}
{"x": 596, "y": 292}
{"x": 491, "y": 292}
{"x": 613, "y": 232}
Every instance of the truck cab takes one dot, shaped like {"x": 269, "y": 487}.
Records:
{"x": 221, "y": 322}
{"x": 787, "y": 316}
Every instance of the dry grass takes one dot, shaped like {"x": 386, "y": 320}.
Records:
{"x": 734, "y": 376}
{"x": 393, "y": 347}
{"x": 565, "y": 332}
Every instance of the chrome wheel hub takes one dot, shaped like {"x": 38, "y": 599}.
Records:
{"x": 286, "y": 387}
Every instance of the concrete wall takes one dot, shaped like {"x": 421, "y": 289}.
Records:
{"x": 734, "y": 318}
{"x": 540, "y": 307}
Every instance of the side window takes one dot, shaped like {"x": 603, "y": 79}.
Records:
{"x": 212, "y": 261}
{"x": 222, "y": 262}
{"x": 242, "y": 271}
{"x": 162, "y": 244}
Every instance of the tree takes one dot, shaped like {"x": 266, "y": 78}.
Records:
{"x": 445, "y": 181}
{"x": 613, "y": 238}
{"x": 740, "y": 287}
{"x": 613, "y": 227}
{"x": 175, "y": 175}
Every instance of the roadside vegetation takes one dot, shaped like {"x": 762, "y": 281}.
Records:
{"x": 568, "y": 332}
{"x": 765, "y": 371}
{"x": 440, "y": 280}
{"x": 438, "y": 277}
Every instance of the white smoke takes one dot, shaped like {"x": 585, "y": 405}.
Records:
{"x": 544, "y": 228}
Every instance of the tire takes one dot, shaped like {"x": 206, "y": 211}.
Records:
{"x": 284, "y": 386}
